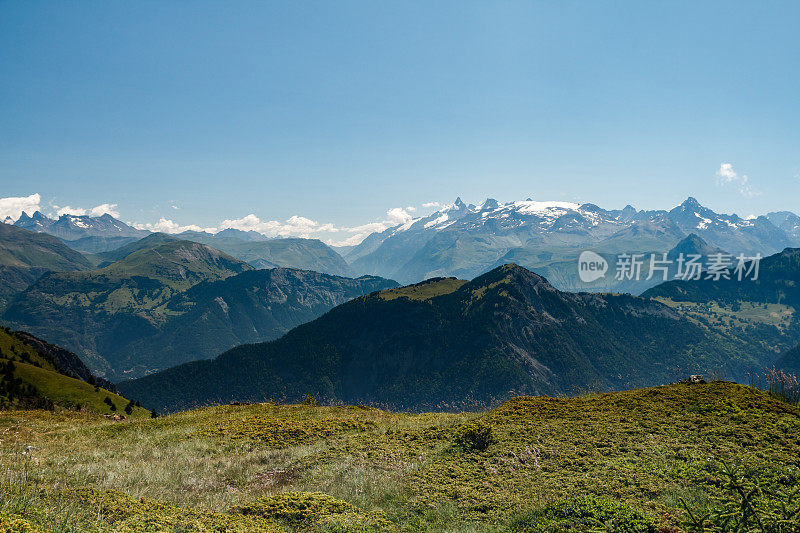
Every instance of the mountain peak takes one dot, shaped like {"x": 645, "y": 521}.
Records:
{"x": 693, "y": 244}
{"x": 690, "y": 202}
{"x": 490, "y": 203}
{"x": 459, "y": 203}
{"x": 509, "y": 273}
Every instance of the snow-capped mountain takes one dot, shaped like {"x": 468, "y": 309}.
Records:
{"x": 787, "y": 221}
{"x": 82, "y": 232}
{"x": 465, "y": 240}
{"x": 73, "y": 227}
{"x": 38, "y": 222}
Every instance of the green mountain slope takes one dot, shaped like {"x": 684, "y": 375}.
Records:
{"x": 26, "y": 255}
{"x": 179, "y": 264}
{"x": 761, "y": 311}
{"x": 778, "y": 282}
{"x": 305, "y": 254}
{"x": 254, "y": 306}
{"x": 91, "y": 313}
{"x": 790, "y": 361}
{"x": 31, "y": 376}
{"x": 151, "y": 241}
{"x": 443, "y": 345}
{"x": 172, "y": 303}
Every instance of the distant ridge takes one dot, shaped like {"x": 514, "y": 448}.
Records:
{"x": 547, "y": 237}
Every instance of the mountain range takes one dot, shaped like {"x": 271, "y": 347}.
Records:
{"x": 162, "y": 300}
{"x": 171, "y": 302}
{"x": 451, "y": 344}
{"x": 106, "y": 238}
{"x": 465, "y": 240}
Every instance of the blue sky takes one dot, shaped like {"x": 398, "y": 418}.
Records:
{"x": 339, "y": 111}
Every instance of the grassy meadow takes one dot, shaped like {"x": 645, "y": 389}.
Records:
{"x": 658, "y": 459}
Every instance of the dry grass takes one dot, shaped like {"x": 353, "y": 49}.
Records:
{"x": 632, "y": 454}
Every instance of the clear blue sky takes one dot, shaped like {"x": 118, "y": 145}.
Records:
{"x": 338, "y": 111}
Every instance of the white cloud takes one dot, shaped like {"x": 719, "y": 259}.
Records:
{"x": 104, "y": 209}
{"x": 68, "y": 210}
{"x": 100, "y": 210}
{"x": 294, "y": 226}
{"x": 726, "y": 175}
{"x": 168, "y": 226}
{"x": 411, "y": 208}
{"x": 431, "y": 204}
{"x": 13, "y": 206}
{"x": 398, "y": 215}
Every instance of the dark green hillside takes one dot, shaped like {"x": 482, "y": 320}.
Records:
{"x": 150, "y": 311}
{"x": 254, "y": 306}
{"x": 64, "y": 361}
{"x": 34, "y": 374}
{"x": 508, "y": 331}
{"x": 790, "y": 361}
{"x": 778, "y": 282}
{"x": 179, "y": 264}
{"x": 92, "y": 313}
{"x": 26, "y": 255}
{"x": 761, "y": 312}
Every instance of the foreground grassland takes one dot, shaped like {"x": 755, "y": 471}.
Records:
{"x": 629, "y": 461}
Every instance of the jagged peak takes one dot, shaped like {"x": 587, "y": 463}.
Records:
{"x": 691, "y": 203}
{"x": 490, "y": 203}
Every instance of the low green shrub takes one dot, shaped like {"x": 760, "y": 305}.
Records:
{"x": 128, "y": 515}
{"x": 14, "y": 524}
{"x": 476, "y": 435}
{"x": 315, "y": 509}
{"x": 584, "y": 515}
